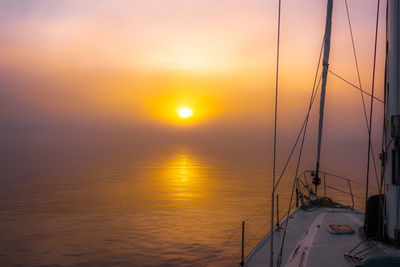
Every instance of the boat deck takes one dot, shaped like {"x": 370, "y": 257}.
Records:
{"x": 308, "y": 242}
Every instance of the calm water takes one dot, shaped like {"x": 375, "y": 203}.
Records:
{"x": 132, "y": 205}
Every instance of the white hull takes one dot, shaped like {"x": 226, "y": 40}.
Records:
{"x": 308, "y": 242}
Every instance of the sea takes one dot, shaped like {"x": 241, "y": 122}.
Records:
{"x": 138, "y": 205}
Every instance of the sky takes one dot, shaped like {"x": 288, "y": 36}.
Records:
{"x": 121, "y": 69}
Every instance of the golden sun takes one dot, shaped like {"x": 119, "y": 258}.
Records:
{"x": 185, "y": 113}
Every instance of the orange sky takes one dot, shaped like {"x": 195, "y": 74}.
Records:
{"x": 132, "y": 64}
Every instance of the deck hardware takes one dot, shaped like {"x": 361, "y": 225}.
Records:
{"x": 340, "y": 229}
{"x": 359, "y": 253}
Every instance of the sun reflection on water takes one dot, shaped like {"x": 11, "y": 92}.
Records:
{"x": 180, "y": 176}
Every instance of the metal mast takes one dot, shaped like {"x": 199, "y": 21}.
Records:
{"x": 325, "y": 63}
{"x": 393, "y": 119}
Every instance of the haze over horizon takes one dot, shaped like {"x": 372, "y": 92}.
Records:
{"x": 122, "y": 69}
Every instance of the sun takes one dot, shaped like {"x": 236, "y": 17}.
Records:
{"x": 185, "y": 113}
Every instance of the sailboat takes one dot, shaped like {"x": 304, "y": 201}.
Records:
{"x": 323, "y": 232}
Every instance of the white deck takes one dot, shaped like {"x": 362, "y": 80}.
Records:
{"x": 307, "y": 231}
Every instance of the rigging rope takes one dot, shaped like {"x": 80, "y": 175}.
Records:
{"x": 382, "y": 217}
{"x": 295, "y": 143}
{"x": 372, "y": 104}
{"x": 313, "y": 94}
{"x": 223, "y": 245}
{"x": 362, "y": 95}
{"x": 355, "y": 86}
{"x": 294, "y": 181}
{"x": 275, "y": 119}
{"x": 383, "y": 165}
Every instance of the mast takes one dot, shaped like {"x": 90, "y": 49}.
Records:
{"x": 392, "y": 163}
{"x": 325, "y": 63}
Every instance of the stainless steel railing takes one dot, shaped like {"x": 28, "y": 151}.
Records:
{"x": 304, "y": 186}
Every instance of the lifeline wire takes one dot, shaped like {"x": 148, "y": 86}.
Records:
{"x": 274, "y": 161}
{"x": 372, "y": 103}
